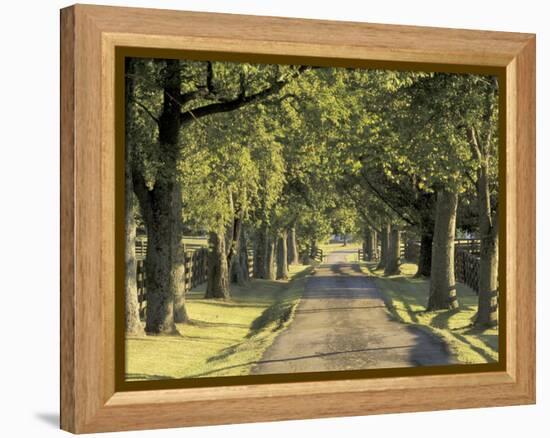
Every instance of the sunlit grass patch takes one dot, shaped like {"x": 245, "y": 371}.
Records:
{"x": 223, "y": 337}
{"x": 331, "y": 247}
{"x": 408, "y": 297}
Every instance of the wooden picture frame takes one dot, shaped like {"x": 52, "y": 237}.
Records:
{"x": 90, "y": 35}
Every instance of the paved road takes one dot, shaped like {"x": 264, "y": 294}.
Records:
{"x": 342, "y": 323}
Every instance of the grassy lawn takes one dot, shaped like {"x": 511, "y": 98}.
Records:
{"x": 223, "y": 337}
{"x": 191, "y": 243}
{"x": 330, "y": 247}
{"x": 408, "y": 297}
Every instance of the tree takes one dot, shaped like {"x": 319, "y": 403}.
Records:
{"x": 393, "y": 254}
{"x": 293, "y": 257}
{"x": 179, "y": 94}
{"x": 282, "y": 260}
{"x": 133, "y": 322}
{"x": 442, "y": 281}
{"x": 482, "y": 130}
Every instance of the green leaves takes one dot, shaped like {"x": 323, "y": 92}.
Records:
{"x": 329, "y": 146}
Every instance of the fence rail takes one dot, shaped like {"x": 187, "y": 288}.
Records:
{"x": 469, "y": 245}
{"x": 318, "y": 254}
{"x": 467, "y": 268}
{"x": 250, "y": 262}
{"x": 195, "y": 273}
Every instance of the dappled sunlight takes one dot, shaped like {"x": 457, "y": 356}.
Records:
{"x": 408, "y": 297}
{"x": 222, "y": 337}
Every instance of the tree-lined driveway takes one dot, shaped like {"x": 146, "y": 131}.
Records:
{"x": 342, "y": 323}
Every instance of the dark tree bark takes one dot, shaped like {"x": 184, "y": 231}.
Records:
{"x": 374, "y": 245}
{"x": 293, "y": 257}
{"x": 282, "y": 257}
{"x": 217, "y": 285}
{"x": 442, "y": 281}
{"x": 384, "y": 245}
{"x": 427, "y": 213}
{"x": 270, "y": 271}
{"x": 370, "y": 246}
{"x": 487, "y": 312}
{"x": 244, "y": 274}
{"x": 425, "y": 255}
{"x": 159, "y": 215}
{"x": 393, "y": 256}
{"x": 239, "y": 265}
{"x": 178, "y": 259}
{"x": 234, "y": 237}
{"x": 134, "y": 326}
{"x": 260, "y": 252}
{"x": 364, "y": 245}
{"x": 159, "y": 268}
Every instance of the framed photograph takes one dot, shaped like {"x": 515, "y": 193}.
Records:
{"x": 273, "y": 218}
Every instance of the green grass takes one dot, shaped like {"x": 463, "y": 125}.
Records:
{"x": 330, "y": 247}
{"x": 195, "y": 243}
{"x": 408, "y": 297}
{"x": 353, "y": 257}
{"x": 224, "y": 337}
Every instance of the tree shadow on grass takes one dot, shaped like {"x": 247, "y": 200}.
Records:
{"x": 299, "y": 358}
{"x": 441, "y": 320}
{"x": 477, "y": 349}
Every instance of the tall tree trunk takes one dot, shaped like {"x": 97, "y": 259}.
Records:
{"x": 442, "y": 281}
{"x": 178, "y": 258}
{"x": 217, "y": 285}
{"x": 239, "y": 265}
{"x": 425, "y": 205}
{"x": 282, "y": 257}
{"x": 158, "y": 212}
{"x": 374, "y": 245}
{"x": 134, "y": 326}
{"x": 384, "y": 246}
{"x": 260, "y": 252}
{"x": 234, "y": 240}
{"x": 370, "y": 248}
{"x": 487, "y": 312}
{"x": 270, "y": 273}
{"x": 393, "y": 255}
{"x": 364, "y": 245}
{"x": 243, "y": 259}
{"x": 159, "y": 267}
{"x": 425, "y": 255}
{"x": 233, "y": 252}
{"x": 293, "y": 257}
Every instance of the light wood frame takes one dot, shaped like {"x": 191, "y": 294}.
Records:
{"x": 89, "y": 35}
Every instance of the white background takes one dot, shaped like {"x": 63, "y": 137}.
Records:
{"x": 29, "y": 218}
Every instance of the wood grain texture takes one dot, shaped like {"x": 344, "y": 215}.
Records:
{"x": 67, "y": 261}
{"x": 89, "y": 36}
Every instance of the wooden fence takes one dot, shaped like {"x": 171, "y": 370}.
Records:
{"x": 195, "y": 272}
{"x": 467, "y": 268}
{"x": 469, "y": 245}
{"x": 318, "y": 254}
{"x": 250, "y": 259}
{"x": 411, "y": 251}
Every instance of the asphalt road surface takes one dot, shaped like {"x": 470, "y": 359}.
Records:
{"x": 342, "y": 323}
